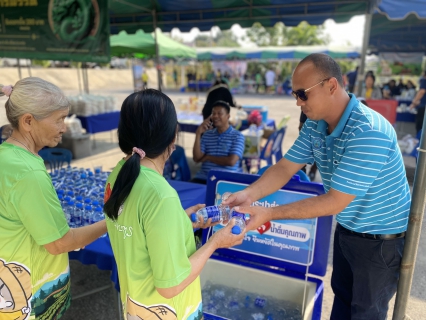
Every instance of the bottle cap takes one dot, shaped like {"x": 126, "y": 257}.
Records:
{"x": 194, "y": 217}
{"x": 236, "y": 230}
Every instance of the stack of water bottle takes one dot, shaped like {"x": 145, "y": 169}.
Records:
{"x": 222, "y": 214}
{"x": 81, "y": 193}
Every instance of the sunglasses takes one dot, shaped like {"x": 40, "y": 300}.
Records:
{"x": 301, "y": 93}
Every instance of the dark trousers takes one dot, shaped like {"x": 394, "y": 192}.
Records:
{"x": 365, "y": 275}
{"x": 419, "y": 118}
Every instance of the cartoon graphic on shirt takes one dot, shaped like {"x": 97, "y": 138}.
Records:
{"x": 136, "y": 311}
{"x": 15, "y": 291}
{"x": 52, "y": 299}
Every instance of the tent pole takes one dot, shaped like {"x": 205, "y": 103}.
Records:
{"x": 78, "y": 77}
{"x": 157, "y": 58}
{"x": 29, "y": 67}
{"x": 367, "y": 29}
{"x": 413, "y": 233}
{"x": 19, "y": 69}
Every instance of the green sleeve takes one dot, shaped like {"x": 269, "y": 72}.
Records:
{"x": 38, "y": 207}
{"x": 166, "y": 238}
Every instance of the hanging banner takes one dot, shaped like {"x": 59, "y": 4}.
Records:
{"x": 71, "y": 30}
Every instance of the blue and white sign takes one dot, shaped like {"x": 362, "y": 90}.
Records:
{"x": 286, "y": 240}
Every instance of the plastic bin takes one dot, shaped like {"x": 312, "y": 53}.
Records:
{"x": 260, "y": 283}
{"x": 277, "y": 258}
{"x": 79, "y": 145}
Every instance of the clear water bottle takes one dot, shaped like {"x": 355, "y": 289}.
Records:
{"x": 98, "y": 215}
{"x": 78, "y": 215}
{"x": 222, "y": 214}
{"x": 69, "y": 212}
{"x": 87, "y": 215}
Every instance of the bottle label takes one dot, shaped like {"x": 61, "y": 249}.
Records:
{"x": 213, "y": 212}
{"x": 238, "y": 215}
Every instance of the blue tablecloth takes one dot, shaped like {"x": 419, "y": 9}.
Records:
{"x": 405, "y": 117}
{"x": 202, "y": 85}
{"x": 100, "y": 122}
{"x": 190, "y": 127}
{"x": 100, "y": 252}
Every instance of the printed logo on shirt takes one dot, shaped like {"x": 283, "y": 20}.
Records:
{"x": 137, "y": 311}
{"x": 317, "y": 143}
{"x": 15, "y": 291}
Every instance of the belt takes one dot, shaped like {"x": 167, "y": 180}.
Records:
{"x": 376, "y": 236}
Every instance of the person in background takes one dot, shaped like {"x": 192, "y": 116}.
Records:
{"x": 419, "y": 103}
{"x": 145, "y": 79}
{"x": 151, "y": 234}
{"x": 34, "y": 234}
{"x": 410, "y": 90}
{"x": 270, "y": 80}
{"x": 391, "y": 90}
{"x": 259, "y": 80}
{"x": 219, "y": 147}
{"x": 175, "y": 77}
{"x": 370, "y": 90}
{"x": 219, "y": 91}
{"x": 351, "y": 77}
{"x": 365, "y": 184}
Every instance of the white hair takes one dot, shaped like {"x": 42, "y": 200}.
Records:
{"x": 35, "y": 96}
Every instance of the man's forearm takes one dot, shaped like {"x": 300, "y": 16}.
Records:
{"x": 197, "y": 155}
{"x": 221, "y": 161}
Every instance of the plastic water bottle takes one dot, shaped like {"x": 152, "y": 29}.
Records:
{"x": 69, "y": 212}
{"x": 222, "y": 214}
{"x": 98, "y": 215}
{"x": 78, "y": 215}
{"x": 88, "y": 215}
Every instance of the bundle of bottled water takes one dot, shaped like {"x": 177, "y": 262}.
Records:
{"x": 236, "y": 304}
{"x": 222, "y": 214}
{"x": 81, "y": 193}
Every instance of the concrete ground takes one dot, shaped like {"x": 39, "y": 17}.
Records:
{"x": 106, "y": 153}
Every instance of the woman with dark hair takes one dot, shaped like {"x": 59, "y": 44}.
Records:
{"x": 370, "y": 91}
{"x": 219, "y": 91}
{"x": 151, "y": 234}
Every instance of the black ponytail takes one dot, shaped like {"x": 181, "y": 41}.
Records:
{"x": 147, "y": 121}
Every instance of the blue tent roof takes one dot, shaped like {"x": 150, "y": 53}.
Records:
{"x": 400, "y": 9}
{"x": 399, "y": 26}
{"x": 132, "y": 15}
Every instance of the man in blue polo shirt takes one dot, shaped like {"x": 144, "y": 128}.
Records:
{"x": 361, "y": 166}
{"x": 219, "y": 147}
{"x": 419, "y": 102}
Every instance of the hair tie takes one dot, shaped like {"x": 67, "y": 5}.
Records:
{"x": 7, "y": 90}
{"x": 140, "y": 152}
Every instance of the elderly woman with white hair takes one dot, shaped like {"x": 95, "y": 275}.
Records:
{"x": 34, "y": 234}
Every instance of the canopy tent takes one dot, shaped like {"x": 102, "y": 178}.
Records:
{"x": 141, "y": 42}
{"x": 274, "y": 53}
{"x": 408, "y": 35}
{"x": 132, "y": 15}
{"x": 399, "y": 10}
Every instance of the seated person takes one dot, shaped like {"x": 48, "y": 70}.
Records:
{"x": 370, "y": 91}
{"x": 219, "y": 91}
{"x": 221, "y": 147}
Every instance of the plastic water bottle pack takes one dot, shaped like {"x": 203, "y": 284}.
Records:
{"x": 222, "y": 214}
{"x": 236, "y": 304}
{"x": 81, "y": 193}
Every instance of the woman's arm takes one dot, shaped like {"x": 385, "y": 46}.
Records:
{"x": 77, "y": 238}
{"x": 221, "y": 239}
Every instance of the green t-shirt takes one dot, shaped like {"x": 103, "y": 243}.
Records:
{"x": 33, "y": 283}
{"x": 152, "y": 240}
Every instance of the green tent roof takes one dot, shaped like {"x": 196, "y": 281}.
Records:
{"x": 144, "y": 43}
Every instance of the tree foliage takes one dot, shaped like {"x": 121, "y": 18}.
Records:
{"x": 222, "y": 39}
{"x": 280, "y": 35}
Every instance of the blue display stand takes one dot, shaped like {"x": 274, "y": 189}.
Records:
{"x": 290, "y": 248}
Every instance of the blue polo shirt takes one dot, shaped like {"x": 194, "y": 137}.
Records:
{"x": 360, "y": 157}
{"x": 222, "y": 145}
